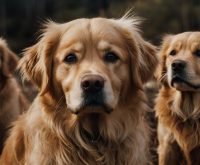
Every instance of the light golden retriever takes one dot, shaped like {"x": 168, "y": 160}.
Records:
{"x": 178, "y": 103}
{"x": 12, "y": 101}
{"x": 90, "y": 109}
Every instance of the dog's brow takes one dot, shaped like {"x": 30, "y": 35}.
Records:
{"x": 76, "y": 46}
{"x": 103, "y": 45}
{"x": 195, "y": 45}
{"x": 177, "y": 44}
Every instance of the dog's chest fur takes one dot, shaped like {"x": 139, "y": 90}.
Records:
{"x": 180, "y": 113}
{"x": 85, "y": 143}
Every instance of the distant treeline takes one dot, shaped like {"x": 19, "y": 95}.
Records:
{"x": 21, "y": 19}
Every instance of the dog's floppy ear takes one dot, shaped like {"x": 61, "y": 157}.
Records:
{"x": 36, "y": 65}
{"x": 9, "y": 59}
{"x": 12, "y": 60}
{"x": 160, "y": 73}
{"x": 147, "y": 59}
{"x": 143, "y": 54}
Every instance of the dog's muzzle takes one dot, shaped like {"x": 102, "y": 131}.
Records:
{"x": 93, "y": 92}
{"x": 179, "y": 75}
{"x": 178, "y": 66}
{"x": 178, "y": 71}
{"x": 92, "y": 84}
{"x": 92, "y": 88}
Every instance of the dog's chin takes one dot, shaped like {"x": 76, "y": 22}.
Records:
{"x": 184, "y": 85}
{"x": 92, "y": 108}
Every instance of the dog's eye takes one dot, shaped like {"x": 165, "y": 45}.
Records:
{"x": 111, "y": 57}
{"x": 172, "y": 53}
{"x": 70, "y": 58}
{"x": 197, "y": 52}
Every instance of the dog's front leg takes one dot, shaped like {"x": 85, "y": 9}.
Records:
{"x": 169, "y": 152}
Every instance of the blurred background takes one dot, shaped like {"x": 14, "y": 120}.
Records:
{"x": 21, "y": 19}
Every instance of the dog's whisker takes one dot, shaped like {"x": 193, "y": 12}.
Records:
{"x": 57, "y": 106}
{"x": 163, "y": 77}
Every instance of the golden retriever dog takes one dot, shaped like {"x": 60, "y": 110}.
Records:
{"x": 178, "y": 102}
{"x": 12, "y": 101}
{"x": 90, "y": 109}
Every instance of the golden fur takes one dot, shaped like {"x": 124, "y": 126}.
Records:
{"x": 178, "y": 102}
{"x": 151, "y": 89}
{"x": 56, "y": 129}
{"x": 12, "y": 101}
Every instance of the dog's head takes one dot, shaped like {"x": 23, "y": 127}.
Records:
{"x": 180, "y": 57}
{"x": 8, "y": 61}
{"x": 96, "y": 64}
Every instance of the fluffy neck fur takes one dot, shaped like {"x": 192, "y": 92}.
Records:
{"x": 180, "y": 112}
{"x": 103, "y": 138}
{"x": 187, "y": 105}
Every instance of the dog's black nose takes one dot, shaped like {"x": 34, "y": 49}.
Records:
{"x": 178, "y": 65}
{"x": 92, "y": 83}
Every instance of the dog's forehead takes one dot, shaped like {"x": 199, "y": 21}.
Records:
{"x": 187, "y": 40}
{"x": 194, "y": 40}
{"x": 179, "y": 39}
{"x": 92, "y": 30}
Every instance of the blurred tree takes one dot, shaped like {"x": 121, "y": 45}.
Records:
{"x": 21, "y": 19}
{"x": 98, "y": 7}
{"x": 172, "y": 16}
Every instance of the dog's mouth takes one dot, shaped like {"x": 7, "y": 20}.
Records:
{"x": 94, "y": 103}
{"x": 176, "y": 79}
{"x": 94, "y": 106}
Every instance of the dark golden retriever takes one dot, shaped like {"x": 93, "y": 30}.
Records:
{"x": 12, "y": 101}
{"x": 178, "y": 103}
{"x": 90, "y": 109}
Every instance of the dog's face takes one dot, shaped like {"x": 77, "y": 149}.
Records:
{"x": 95, "y": 63}
{"x": 180, "y": 60}
{"x": 91, "y": 65}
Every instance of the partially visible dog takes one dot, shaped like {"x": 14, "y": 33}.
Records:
{"x": 178, "y": 103}
{"x": 151, "y": 89}
{"x": 91, "y": 105}
{"x": 12, "y": 101}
